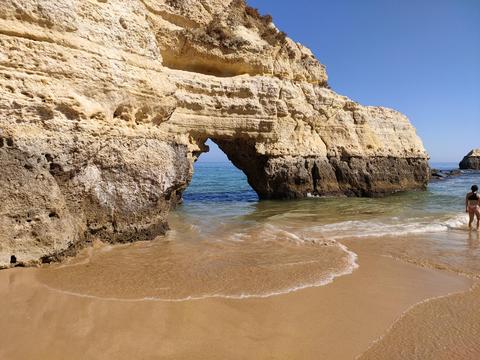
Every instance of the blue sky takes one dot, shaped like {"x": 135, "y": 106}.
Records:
{"x": 421, "y": 57}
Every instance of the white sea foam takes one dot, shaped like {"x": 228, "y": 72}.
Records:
{"x": 351, "y": 266}
{"x": 388, "y": 227}
{"x": 348, "y": 268}
{"x": 328, "y": 234}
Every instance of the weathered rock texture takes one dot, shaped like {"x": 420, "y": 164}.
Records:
{"x": 106, "y": 104}
{"x": 471, "y": 161}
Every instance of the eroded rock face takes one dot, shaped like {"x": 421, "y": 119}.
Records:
{"x": 471, "y": 161}
{"x": 105, "y": 105}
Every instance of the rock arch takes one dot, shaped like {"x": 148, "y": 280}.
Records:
{"x": 105, "y": 105}
{"x": 277, "y": 178}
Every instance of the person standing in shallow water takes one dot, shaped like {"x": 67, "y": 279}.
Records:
{"x": 472, "y": 205}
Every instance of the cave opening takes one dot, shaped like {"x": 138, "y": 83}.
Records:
{"x": 217, "y": 179}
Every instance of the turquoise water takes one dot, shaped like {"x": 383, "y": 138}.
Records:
{"x": 219, "y": 182}
{"x": 427, "y": 227}
{"x": 223, "y": 242}
{"x": 220, "y": 190}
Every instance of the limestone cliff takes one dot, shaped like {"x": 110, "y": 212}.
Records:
{"x": 106, "y": 104}
{"x": 471, "y": 161}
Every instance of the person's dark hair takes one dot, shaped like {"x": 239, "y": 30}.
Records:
{"x": 474, "y": 188}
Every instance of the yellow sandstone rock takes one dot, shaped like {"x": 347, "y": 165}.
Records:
{"x": 106, "y": 104}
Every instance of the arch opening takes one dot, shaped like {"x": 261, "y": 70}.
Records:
{"x": 216, "y": 178}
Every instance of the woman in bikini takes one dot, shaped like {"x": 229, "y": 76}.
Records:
{"x": 472, "y": 205}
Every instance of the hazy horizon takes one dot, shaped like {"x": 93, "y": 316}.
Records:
{"x": 422, "y": 59}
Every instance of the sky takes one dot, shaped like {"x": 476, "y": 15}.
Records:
{"x": 420, "y": 57}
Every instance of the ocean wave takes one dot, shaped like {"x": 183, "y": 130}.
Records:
{"x": 349, "y": 268}
{"x": 388, "y": 227}
{"x": 272, "y": 232}
{"x": 254, "y": 238}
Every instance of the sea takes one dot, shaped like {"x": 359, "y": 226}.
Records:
{"x": 226, "y": 243}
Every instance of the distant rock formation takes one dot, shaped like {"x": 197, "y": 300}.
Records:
{"x": 105, "y": 105}
{"x": 436, "y": 174}
{"x": 471, "y": 161}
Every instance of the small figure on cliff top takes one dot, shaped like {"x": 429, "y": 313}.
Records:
{"x": 472, "y": 206}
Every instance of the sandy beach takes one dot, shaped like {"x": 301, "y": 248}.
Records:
{"x": 444, "y": 328}
{"x": 239, "y": 180}
{"x": 384, "y": 299}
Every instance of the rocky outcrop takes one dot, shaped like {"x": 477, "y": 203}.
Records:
{"x": 106, "y": 104}
{"x": 471, "y": 161}
{"x": 436, "y": 174}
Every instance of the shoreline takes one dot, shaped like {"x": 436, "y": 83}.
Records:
{"x": 467, "y": 345}
{"x": 348, "y": 270}
{"x": 408, "y": 311}
{"x": 341, "y": 320}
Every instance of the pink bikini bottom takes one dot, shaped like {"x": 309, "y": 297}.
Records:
{"x": 473, "y": 208}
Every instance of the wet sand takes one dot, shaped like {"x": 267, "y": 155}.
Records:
{"x": 442, "y": 329}
{"x": 338, "y": 321}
